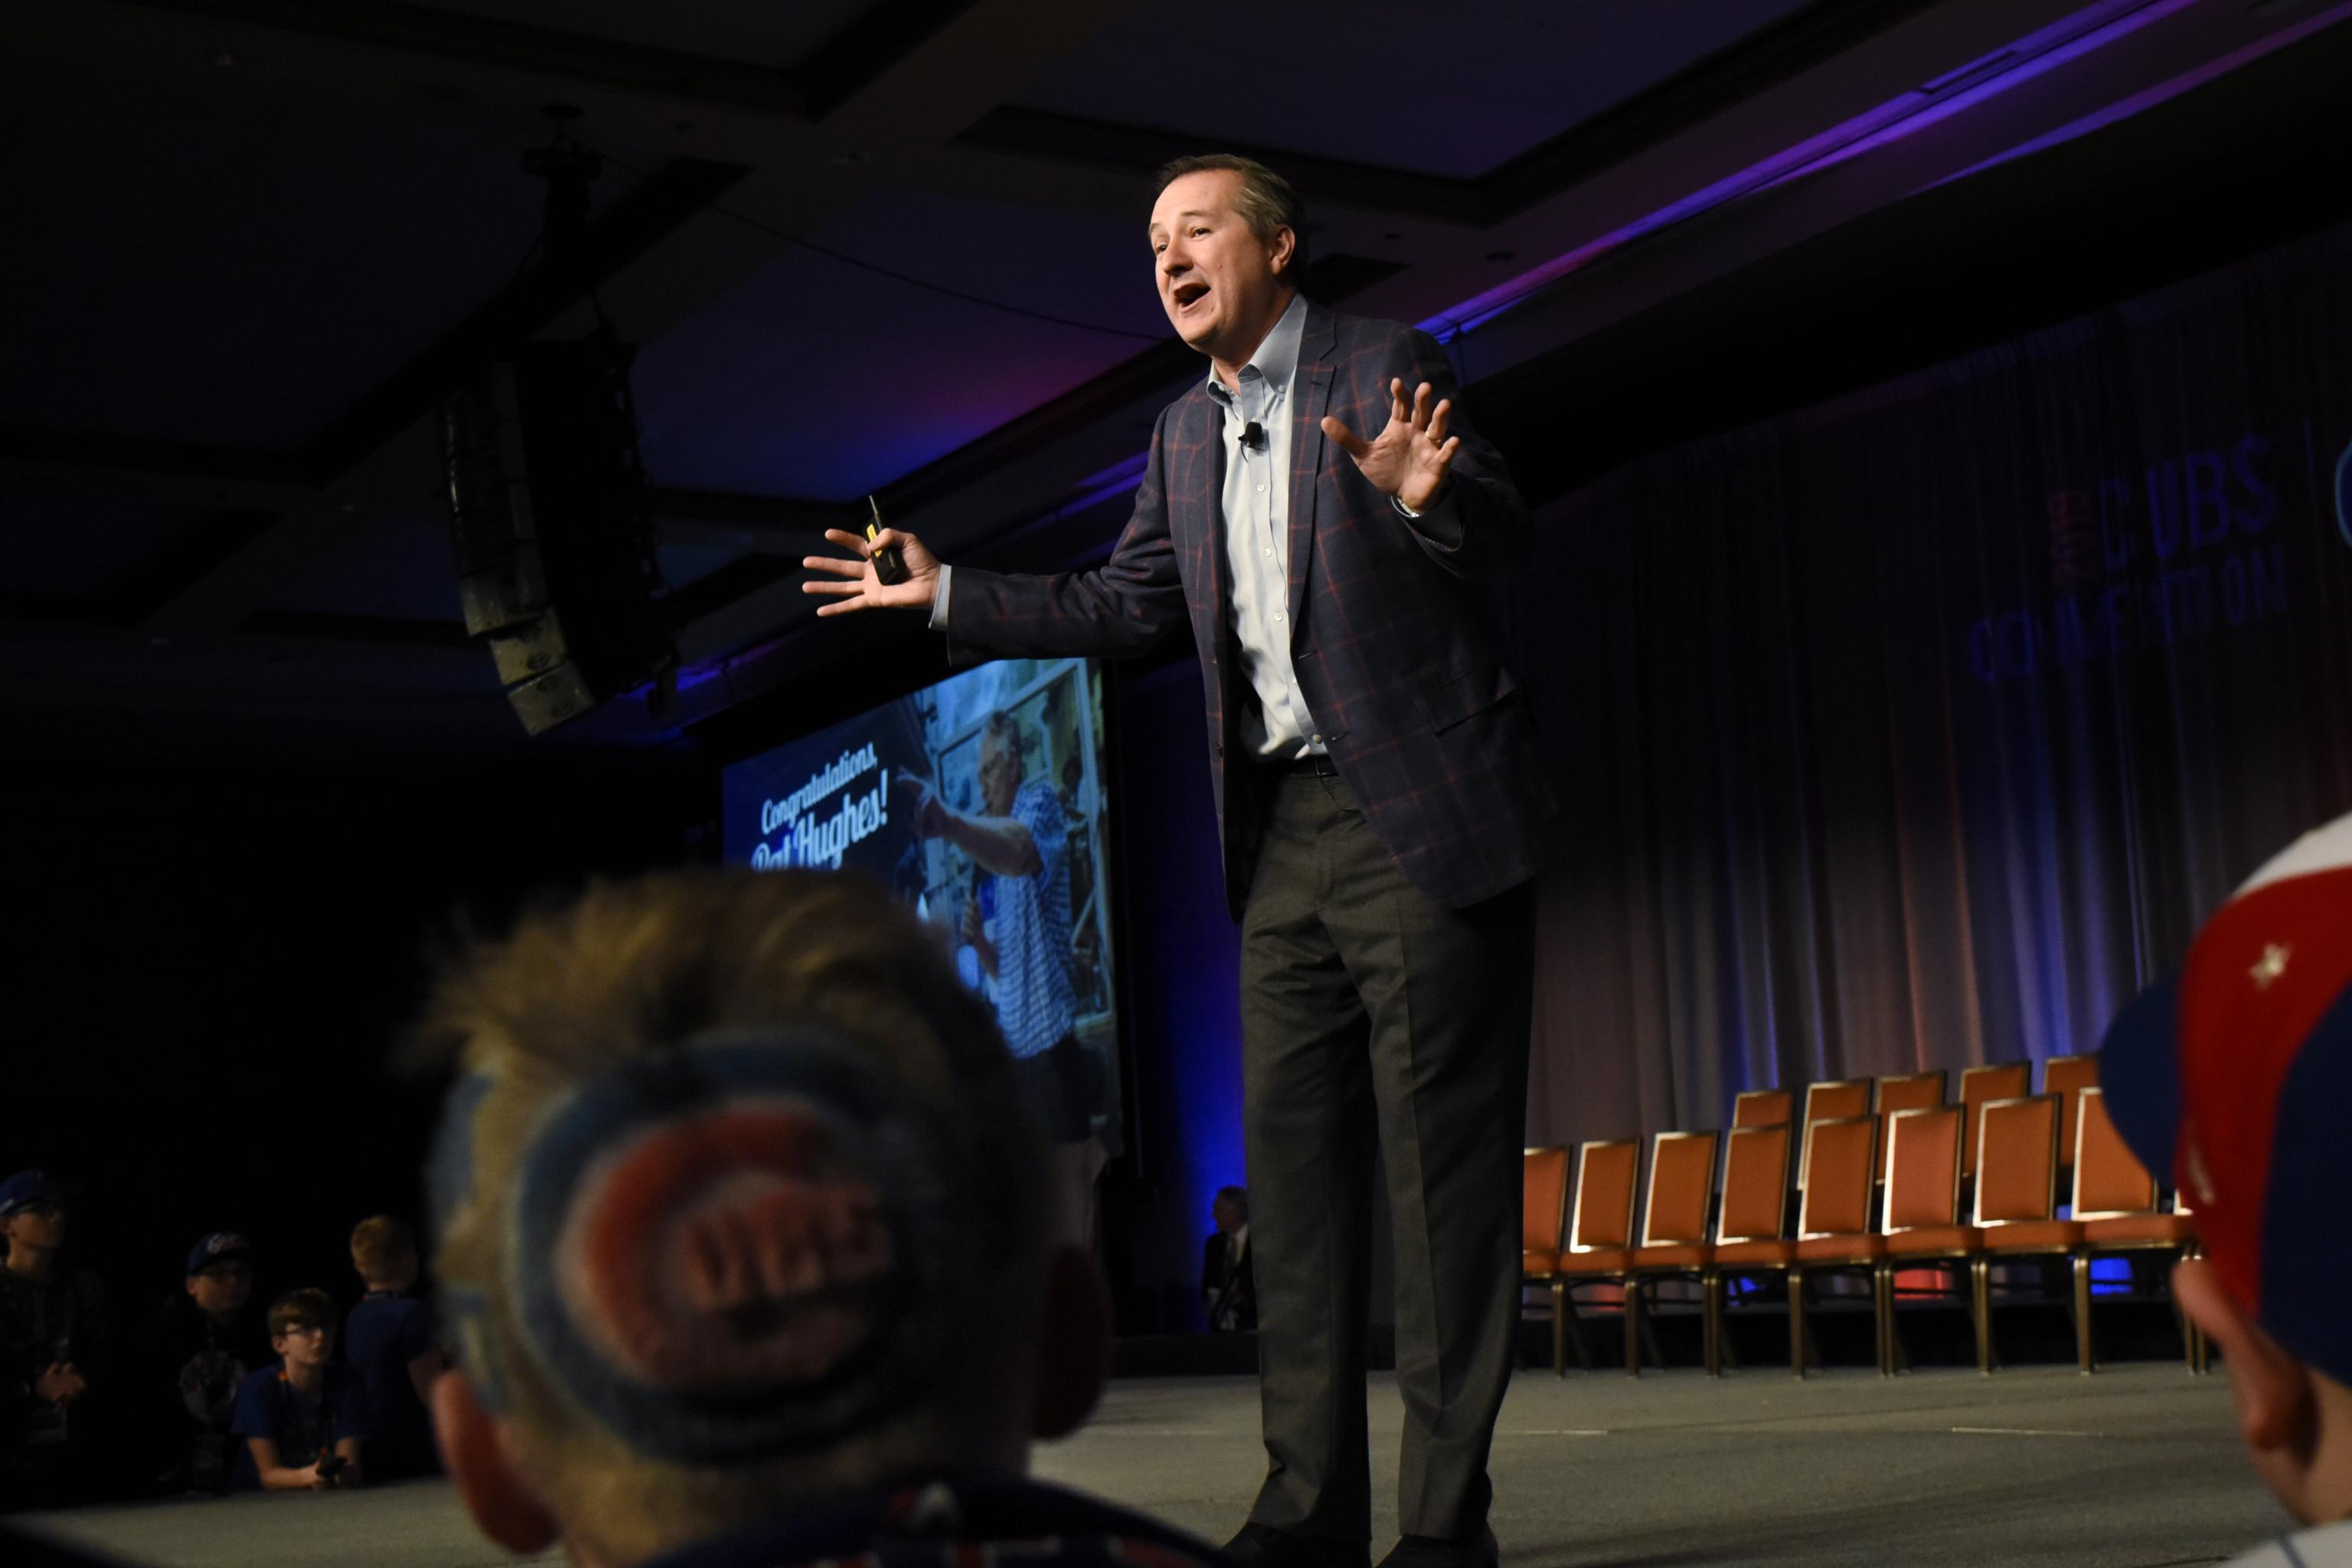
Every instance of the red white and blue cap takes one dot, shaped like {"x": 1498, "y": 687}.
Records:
{"x": 2234, "y": 1078}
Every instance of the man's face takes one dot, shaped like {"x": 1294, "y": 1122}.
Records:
{"x": 40, "y": 1224}
{"x": 1000, "y": 774}
{"x": 222, "y": 1291}
{"x": 1227, "y": 1215}
{"x": 304, "y": 1345}
{"x": 1217, "y": 279}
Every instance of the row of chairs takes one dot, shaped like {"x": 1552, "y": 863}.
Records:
{"x": 1877, "y": 1193}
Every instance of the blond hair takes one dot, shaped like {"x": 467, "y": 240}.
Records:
{"x": 641, "y": 972}
{"x": 380, "y": 1244}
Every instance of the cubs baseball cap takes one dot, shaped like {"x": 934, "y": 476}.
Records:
{"x": 2234, "y": 1077}
{"x": 26, "y": 1188}
{"x": 222, "y": 1246}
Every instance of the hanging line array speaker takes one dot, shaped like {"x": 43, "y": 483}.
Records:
{"x": 548, "y": 524}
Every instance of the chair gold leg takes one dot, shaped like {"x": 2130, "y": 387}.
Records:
{"x": 1980, "y": 1293}
{"x": 2082, "y": 1312}
{"x": 1710, "y": 1286}
{"x": 1632, "y": 1328}
{"x": 1560, "y": 1327}
{"x": 1881, "y": 1302}
{"x": 1796, "y": 1322}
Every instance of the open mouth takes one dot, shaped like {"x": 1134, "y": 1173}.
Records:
{"x": 1188, "y": 295}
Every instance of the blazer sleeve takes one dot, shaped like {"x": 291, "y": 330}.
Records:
{"x": 1122, "y": 607}
{"x": 1478, "y": 527}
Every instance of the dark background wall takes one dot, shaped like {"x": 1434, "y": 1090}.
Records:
{"x": 210, "y": 970}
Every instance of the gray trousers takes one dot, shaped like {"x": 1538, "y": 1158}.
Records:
{"x": 1371, "y": 1012}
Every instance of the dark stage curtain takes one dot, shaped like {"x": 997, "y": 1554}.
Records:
{"x": 1921, "y": 729}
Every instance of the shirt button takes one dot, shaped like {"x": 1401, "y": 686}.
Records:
{"x": 1269, "y": 555}
{"x": 1277, "y": 614}
{"x": 1261, "y": 489}
{"x": 1316, "y": 739}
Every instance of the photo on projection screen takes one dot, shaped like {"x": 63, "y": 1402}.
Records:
{"x": 1018, "y": 741}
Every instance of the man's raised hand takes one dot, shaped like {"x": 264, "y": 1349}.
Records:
{"x": 1410, "y": 457}
{"x": 852, "y": 584}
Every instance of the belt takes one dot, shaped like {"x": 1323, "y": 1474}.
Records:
{"x": 1318, "y": 763}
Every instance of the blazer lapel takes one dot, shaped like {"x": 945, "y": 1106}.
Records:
{"x": 1196, "y": 484}
{"x": 1312, "y": 396}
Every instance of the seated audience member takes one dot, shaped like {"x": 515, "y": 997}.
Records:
{"x": 389, "y": 1342}
{"x": 2232, "y": 1080}
{"x": 304, "y": 1420}
{"x": 194, "y": 1357}
{"x": 743, "y": 1249}
{"x": 1228, "y": 1283}
{"x": 53, "y": 1340}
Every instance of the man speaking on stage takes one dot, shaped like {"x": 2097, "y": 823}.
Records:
{"x": 1323, "y": 511}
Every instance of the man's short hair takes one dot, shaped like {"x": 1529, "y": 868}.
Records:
{"x": 735, "y": 1201}
{"x": 1266, "y": 202}
{"x": 309, "y": 1308}
{"x": 380, "y": 1243}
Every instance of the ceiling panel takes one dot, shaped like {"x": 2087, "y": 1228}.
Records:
{"x": 768, "y": 35}
{"x": 820, "y": 380}
{"x": 1452, "y": 89}
{"x": 82, "y": 545}
{"x": 213, "y": 258}
{"x": 387, "y": 567}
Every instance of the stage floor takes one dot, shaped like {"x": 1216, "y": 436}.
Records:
{"x": 2137, "y": 1466}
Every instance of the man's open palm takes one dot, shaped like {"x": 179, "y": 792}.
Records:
{"x": 1410, "y": 457}
{"x": 851, "y": 583}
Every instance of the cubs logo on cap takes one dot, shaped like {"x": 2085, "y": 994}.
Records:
{"x": 2234, "y": 1078}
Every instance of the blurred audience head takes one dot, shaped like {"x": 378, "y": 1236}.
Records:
{"x": 384, "y": 1251}
{"x": 31, "y": 1214}
{"x": 302, "y": 1327}
{"x": 220, "y": 1275}
{"x": 736, "y": 1208}
{"x": 2232, "y": 1081}
{"x": 1230, "y": 1209}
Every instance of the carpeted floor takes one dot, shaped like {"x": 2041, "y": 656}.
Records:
{"x": 2137, "y": 1466}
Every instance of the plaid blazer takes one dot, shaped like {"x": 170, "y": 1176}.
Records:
{"x": 1395, "y": 628}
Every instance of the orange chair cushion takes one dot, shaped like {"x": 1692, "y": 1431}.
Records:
{"x": 2134, "y": 1230}
{"x": 1539, "y": 1262}
{"x": 1673, "y": 1255}
{"x": 1754, "y": 1254}
{"x": 1839, "y": 1248}
{"x": 2033, "y": 1236}
{"x": 1934, "y": 1240}
{"x": 1600, "y": 1260}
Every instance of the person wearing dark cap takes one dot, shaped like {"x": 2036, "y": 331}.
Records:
{"x": 54, "y": 1328}
{"x": 2233, "y": 1080}
{"x": 744, "y": 1255}
{"x": 193, "y": 1356}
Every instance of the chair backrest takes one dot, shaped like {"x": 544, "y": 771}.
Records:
{"x": 1903, "y": 1092}
{"x": 2067, "y": 1077}
{"x": 1837, "y": 1198}
{"x": 1543, "y": 1187}
{"x": 1682, "y": 1187}
{"x": 2000, "y": 1081}
{"x": 2017, "y": 1159}
{"x": 2108, "y": 1177}
{"x": 1763, "y": 1107}
{"x": 1829, "y": 1102}
{"x": 1755, "y": 1184}
{"x": 1922, "y": 1166}
{"x": 1607, "y": 1177}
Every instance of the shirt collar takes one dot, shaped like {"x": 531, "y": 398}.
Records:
{"x": 1277, "y": 358}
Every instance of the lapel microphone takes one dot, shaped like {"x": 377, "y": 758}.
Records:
{"x": 1254, "y": 437}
